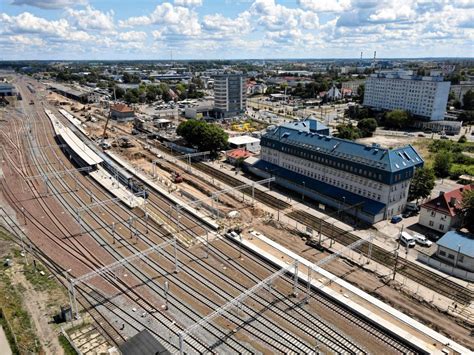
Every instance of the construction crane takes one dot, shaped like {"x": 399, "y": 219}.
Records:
{"x": 104, "y": 135}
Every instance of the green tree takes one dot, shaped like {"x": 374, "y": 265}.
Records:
{"x": 397, "y": 119}
{"x": 467, "y": 117}
{"x": 468, "y": 100}
{"x": 203, "y": 135}
{"x": 367, "y": 127}
{"x": 468, "y": 209}
{"x": 462, "y": 139}
{"x": 131, "y": 97}
{"x": 442, "y": 163}
{"x": 361, "y": 92}
{"x": 422, "y": 183}
{"x": 348, "y": 131}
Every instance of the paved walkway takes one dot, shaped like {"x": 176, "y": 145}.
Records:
{"x": 4, "y": 346}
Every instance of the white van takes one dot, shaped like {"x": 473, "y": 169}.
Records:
{"x": 407, "y": 240}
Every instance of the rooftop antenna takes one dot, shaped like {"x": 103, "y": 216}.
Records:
{"x": 361, "y": 56}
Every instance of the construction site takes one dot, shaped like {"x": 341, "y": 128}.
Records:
{"x": 147, "y": 238}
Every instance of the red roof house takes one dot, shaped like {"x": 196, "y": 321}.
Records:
{"x": 444, "y": 212}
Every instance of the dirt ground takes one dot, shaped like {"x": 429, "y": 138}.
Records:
{"x": 40, "y": 305}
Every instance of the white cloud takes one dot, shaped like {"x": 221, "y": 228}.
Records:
{"x": 176, "y": 20}
{"x": 264, "y": 28}
{"x": 157, "y": 34}
{"x": 221, "y": 26}
{"x": 49, "y": 4}
{"x": 188, "y": 3}
{"x": 132, "y": 36}
{"x": 325, "y": 6}
{"x": 27, "y": 23}
{"x": 276, "y": 17}
{"x": 26, "y": 40}
{"x": 90, "y": 18}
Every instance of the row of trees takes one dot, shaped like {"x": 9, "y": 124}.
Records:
{"x": 144, "y": 93}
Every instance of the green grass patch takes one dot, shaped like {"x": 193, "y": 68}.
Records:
{"x": 40, "y": 282}
{"x": 67, "y": 347}
{"x": 19, "y": 322}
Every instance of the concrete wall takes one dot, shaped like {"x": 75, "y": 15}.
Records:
{"x": 446, "y": 268}
{"x": 455, "y": 257}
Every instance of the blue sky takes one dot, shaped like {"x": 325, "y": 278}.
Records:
{"x": 225, "y": 29}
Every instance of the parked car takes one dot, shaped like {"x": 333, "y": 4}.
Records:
{"x": 421, "y": 135}
{"x": 422, "y": 240}
{"x": 433, "y": 237}
{"x": 396, "y": 219}
{"x": 407, "y": 240}
{"x": 408, "y": 213}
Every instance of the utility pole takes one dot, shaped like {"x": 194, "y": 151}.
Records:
{"x": 395, "y": 266}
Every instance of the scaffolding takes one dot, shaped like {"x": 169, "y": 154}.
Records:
{"x": 238, "y": 301}
{"x": 108, "y": 269}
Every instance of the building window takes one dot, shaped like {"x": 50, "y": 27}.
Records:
{"x": 441, "y": 226}
{"x": 433, "y": 213}
{"x": 460, "y": 258}
{"x": 431, "y": 223}
{"x": 451, "y": 256}
{"x": 442, "y": 253}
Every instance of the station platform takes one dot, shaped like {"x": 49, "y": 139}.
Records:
{"x": 76, "y": 122}
{"x": 115, "y": 188}
{"x": 140, "y": 175}
{"x": 74, "y": 142}
{"x": 387, "y": 317}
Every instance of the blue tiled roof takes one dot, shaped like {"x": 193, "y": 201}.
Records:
{"x": 369, "y": 206}
{"x": 453, "y": 240}
{"x": 387, "y": 165}
{"x": 309, "y": 125}
{"x": 385, "y": 159}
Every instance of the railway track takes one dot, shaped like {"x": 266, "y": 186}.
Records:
{"x": 269, "y": 327}
{"x": 259, "y": 195}
{"x": 337, "y": 348}
{"x": 239, "y": 287}
{"x": 405, "y": 267}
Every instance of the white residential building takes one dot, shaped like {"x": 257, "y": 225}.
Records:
{"x": 425, "y": 96}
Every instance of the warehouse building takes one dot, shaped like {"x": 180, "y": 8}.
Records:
{"x": 79, "y": 94}
{"x": 338, "y": 172}
{"x": 424, "y": 96}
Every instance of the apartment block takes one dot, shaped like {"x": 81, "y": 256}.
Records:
{"x": 423, "y": 96}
